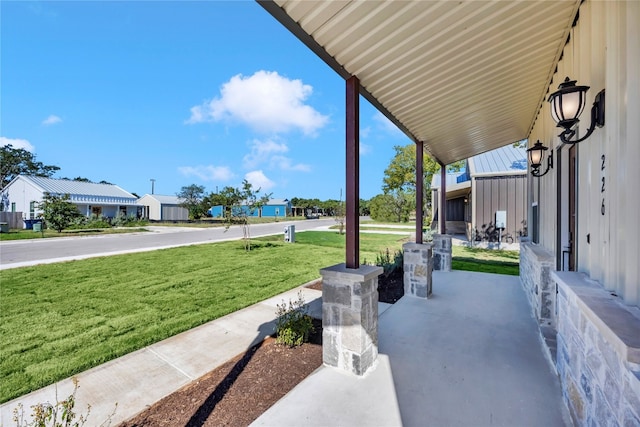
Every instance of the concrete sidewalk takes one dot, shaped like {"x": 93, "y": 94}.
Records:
{"x": 141, "y": 378}
{"x": 470, "y": 356}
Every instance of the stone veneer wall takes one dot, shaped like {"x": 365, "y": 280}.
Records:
{"x": 418, "y": 269}
{"x": 598, "y": 358}
{"x": 536, "y": 264}
{"x": 350, "y": 317}
{"x": 442, "y": 252}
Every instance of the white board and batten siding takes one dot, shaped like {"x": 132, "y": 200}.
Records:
{"x": 604, "y": 53}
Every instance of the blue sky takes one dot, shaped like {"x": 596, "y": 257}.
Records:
{"x": 203, "y": 92}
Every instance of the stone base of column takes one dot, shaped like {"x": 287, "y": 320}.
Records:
{"x": 350, "y": 317}
{"x": 418, "y": 267}
{"x": 442, "y": 252}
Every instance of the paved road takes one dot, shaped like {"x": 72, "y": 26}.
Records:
{"x": 20, "y": 253}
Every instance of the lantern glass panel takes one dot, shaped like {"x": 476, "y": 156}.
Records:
{"x": 535, "y": 157}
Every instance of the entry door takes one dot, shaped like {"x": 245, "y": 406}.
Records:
{"x": 573, "y": 180}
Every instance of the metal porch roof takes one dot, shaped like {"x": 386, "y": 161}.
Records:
{"x": 463, "y": 76}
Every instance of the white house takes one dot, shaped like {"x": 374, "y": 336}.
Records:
{"x": 24, "y": 193}
{"x": 162, "y": 208}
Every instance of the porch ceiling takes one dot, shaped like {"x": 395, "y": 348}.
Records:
{"x": 465, "y": 77}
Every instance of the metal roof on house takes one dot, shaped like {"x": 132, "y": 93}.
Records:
{"x": 165, "y": 200}
{"x": 78, "y": 188}
{"x": 507, "y": 160}
{"x": 453, "y": 178}
{"x": 278, "y": 202}
{"x": 464, "y": 77}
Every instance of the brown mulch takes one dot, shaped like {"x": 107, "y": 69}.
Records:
{"x": 239, "y": 391}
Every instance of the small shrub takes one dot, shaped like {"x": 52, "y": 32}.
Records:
{"x": 60, "y": 414}
{"x": 389, "y": 265}
{"x": 293, "y": 324}
{"x": 427, "y": 235}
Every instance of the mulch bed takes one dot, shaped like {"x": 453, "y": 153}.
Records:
{"x": 239, "y": 391}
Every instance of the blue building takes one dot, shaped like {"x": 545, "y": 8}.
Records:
{"x": 277, "y": 208}
{"x": 274, "y": 208}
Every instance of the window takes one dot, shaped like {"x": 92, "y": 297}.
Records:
{"x": 13, "y": 206}
{"x": 32, "y": 210}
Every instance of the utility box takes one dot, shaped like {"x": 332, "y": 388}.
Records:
{"x": 501, "y": 219}
{"x": 290, "y": 233}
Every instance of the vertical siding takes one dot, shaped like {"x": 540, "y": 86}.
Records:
{"x": 603, "y": 52}
{"x": 504, "y": 194}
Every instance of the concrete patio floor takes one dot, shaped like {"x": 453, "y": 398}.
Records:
{"x": 470, "y": 356}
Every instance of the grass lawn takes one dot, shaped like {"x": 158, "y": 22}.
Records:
{"x": 30, "y": 234}
{"x": 57, "y": 320}
{"x": 486, "y": 260}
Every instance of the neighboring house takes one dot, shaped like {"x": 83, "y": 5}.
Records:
{"x": 495, "y": 181}
{"x": 216, "y": 211}
{"x": 163, "y": 208}
{"x": 24, "y": 193}
{"x": 274, "y": 208}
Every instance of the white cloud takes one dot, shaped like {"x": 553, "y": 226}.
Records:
{"x": 265, "y": 101}
{"x": 364, "y": 132}
{"x": 17, "y": 143}
{"x": 259, "y": 180}
{"x": 271, "y": 152}
{"x": 364, "y": 149}
{"x": 261, "y": 152}
{"x": 208, "y": 173}
{"x": 286, "y": 164}
{"x": 51, "y": 120}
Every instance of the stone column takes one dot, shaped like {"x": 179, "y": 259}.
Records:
{"x": 442, "y": 252}
{"x": 418, "y": 266}
{"x": 350, "y": 317}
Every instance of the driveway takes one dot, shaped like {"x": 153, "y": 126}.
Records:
{"x": 21, "y": 253}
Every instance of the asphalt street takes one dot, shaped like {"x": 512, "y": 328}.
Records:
{"x": 21, "y": 253}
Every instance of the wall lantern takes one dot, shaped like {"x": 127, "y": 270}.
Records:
{"x": 568, "y": 103}
{"x": 536, "y": 157}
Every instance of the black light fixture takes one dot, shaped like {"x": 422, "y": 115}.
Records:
{"x": 536, "y": 157}
{"x": 568, "y": 103}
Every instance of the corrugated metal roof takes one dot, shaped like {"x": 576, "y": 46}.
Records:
{"x": 505, "y": 160}
{"x": 64, "y": 186}
{"x": 453, "y": 178}
{"x": 278, "y": 202}
{"x": 165, "y": 200}
{"x": 464, "y": 77}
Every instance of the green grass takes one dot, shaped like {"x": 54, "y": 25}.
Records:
{"x": 57, "y": 320}
{"x": 486, "y": 260}
{"x": 30, "y": 234}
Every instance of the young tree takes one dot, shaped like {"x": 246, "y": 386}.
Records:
{"x": 394, "y": 207}
{"x": 18, "y": 161}
{"x": 57, "y": 211}
{"x": 192, "y": 200}
{"x": 242, "y": 204}
{"x": 400, "y": 176}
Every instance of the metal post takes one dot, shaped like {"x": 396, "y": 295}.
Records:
{"x": 153, "y": 181}
{"x": 353, "y": 172}
{"x": 419, "y": 190}
{"x": 442, "y": 218}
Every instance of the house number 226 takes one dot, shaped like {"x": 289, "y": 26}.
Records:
{"x": 602, "y": 207}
